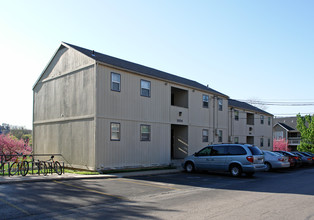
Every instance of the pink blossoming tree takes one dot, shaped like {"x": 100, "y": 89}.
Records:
{"x": 280, "y": 144}
{"x": 11, "y": 146}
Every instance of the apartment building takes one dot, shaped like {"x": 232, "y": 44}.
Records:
{"x": 285, "y": 128}
{"x": 101, "y": 112}
{"x": 249, "y": 124}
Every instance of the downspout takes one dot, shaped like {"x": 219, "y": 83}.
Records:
{"x": 214, "y": 129}
{"x": 231, "y": 125}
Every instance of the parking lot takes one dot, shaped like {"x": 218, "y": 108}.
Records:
{"x": 285, "y": 194}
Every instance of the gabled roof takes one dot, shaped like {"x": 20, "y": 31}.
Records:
{"x": 244, "y": 105}
{"x": 286, "y": 127}
{"x": 140, "y": 69}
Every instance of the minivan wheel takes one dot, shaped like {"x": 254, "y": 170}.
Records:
{"x": 235, "y": 170}
{"x": 189, "y": 167}
{"x": 268, "y": 167}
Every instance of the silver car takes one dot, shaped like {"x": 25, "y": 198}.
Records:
{"x": 233, "y": 158}
{"x": 274, "y": 160}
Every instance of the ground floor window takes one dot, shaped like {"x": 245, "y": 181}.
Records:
{"x": 262, "y": 142}
{"x": 220, "y": 136}
{"x": 268, "y": 144}
{"x": 145, "y": 132}
{"x": 236, "y": 140}
{"x": 205, "y": 135}
{"x": 115, "y": 131}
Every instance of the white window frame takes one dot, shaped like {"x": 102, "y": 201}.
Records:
{"x": 142, "y": 133}
{"x": 220, "y": 136}
{"x": 220, "y": 104}
{"x": 145, "y": 88}
{"x": 112, "y": 131}
{"x": 205, "y": 135}
{"x": 205, "y": 101}
{"x": 236, "y": 115}
{"x": 114, "y": 81}
{"x": 236, "y": 140}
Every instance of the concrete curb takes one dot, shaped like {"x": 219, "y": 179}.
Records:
{"x": 41, "y": 178}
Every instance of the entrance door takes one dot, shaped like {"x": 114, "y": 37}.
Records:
{"x": 179, "y": 141}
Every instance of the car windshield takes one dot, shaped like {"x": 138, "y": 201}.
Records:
{"x": 255, "y": 150}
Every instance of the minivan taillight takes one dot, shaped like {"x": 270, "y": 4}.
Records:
{"x": 250, "y": 159}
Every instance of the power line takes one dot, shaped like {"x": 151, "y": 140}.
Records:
{"x": 279, "y": 103}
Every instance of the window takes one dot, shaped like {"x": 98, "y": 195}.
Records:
{"x": 145, "y": 132}
{"x": 269, "y": 120}
{"x": 236, "y": 150}
{"x": 236, "y": 115}
{"x": 218, "y": 150}
{"x": 220, "y": 136}
{"x": 205, "y": 135}
{"x": 115, "y": 131}
{"x": 204, "y": 152}
{"x": 255, "y": 150}
{"x": 278, "y": 135}
{"x": 115, "y": 82}
{"x": 145, "y": 88}
{"x": 205, "y": 101}
{"x": 268, "y": 142}
{"x": 262, "y": 119}
{"x": 262, "y": 142}
{"x": 236, "y": 140}
{"x": 219, "y": 104}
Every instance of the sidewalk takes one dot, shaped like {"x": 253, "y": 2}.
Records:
{"x": 71, "y": 176}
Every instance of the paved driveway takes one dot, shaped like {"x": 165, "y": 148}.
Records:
{"x": 275, "y": 195}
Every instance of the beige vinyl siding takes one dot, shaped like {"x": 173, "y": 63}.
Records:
{"x": 128, "y": 104}
{"x": 74, "y": 140}
{"x": 63, "y": 115}
{"x": 130, "y": 151}
{"x": 240, "y": 128}
{"x": 130, "y": 109}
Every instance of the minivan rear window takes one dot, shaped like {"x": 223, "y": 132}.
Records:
{"x": 236, "y": 150}
{"x": 255, "y": 150}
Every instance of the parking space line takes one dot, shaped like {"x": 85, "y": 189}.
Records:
{"x": 90, "y": 190}
{"x": 16, "y": 207}
{"x": 145, "y": 184}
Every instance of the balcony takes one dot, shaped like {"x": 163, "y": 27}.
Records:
{"x": 294, "y": 141}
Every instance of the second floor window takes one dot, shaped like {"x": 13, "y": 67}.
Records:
{"x": 269, "y": 120}
{"x": 115, "y": 82}
{"x": 219, "y": 104}
{"x": 205, "y": 101}
{"x": 262, "y": 119}
{"x": 145, "y": 88}
{"x": 236, "y": 115}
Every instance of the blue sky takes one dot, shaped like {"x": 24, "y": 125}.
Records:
{"x": 261, "y": 50}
